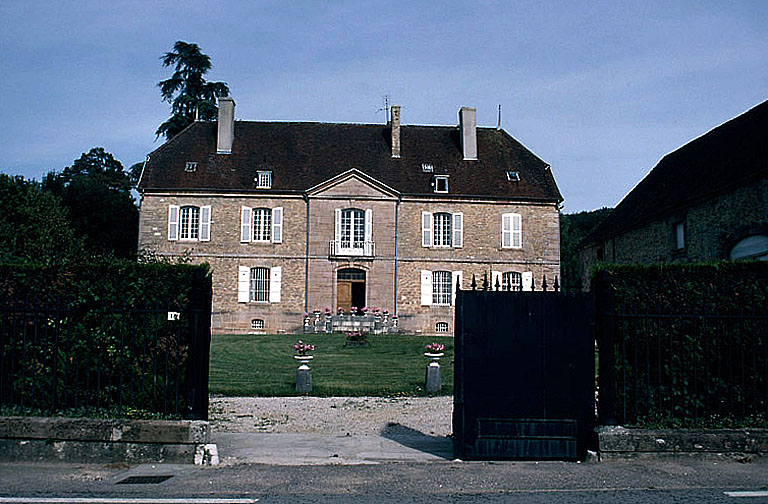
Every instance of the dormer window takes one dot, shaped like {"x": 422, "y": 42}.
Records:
{"x": 441, "y": 184}
{"x": 513, "y": 176}
{"x": 191, "y": 166}
{"x": 427, "y": 167}
{"x": 263, "y": 179}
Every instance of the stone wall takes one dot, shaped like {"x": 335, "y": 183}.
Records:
{"x": 710, "y": 226}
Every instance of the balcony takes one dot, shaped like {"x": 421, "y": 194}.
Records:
{"x": 340, "y": 248}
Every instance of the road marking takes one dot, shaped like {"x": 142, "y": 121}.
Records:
{"x": 761, "y": 493}
{"x": 117, "y": 500}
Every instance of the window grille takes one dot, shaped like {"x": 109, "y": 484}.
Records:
{"x": 441, "y": 288}
{"x": 263, "y": 179}
{"x": 259, "y": 290}
{"x": 257, "y": 324}
{"x": 352, "y": 228}
{"x": 512, "y": 281}
{"x": 190, "y": 223}
{"x": 441, "y": 327}
{"x": 442, "y": 230}
{"x": 262, "y": 224}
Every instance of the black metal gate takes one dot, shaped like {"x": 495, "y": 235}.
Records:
{"x": 524, "y": 375}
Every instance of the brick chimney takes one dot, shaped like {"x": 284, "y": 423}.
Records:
{"x": 468, "y": 130}
{"x": 226, "y": 134}
{"x": 395, "y": 125}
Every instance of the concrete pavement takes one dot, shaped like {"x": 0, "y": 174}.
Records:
{"x": 314, "y": 449}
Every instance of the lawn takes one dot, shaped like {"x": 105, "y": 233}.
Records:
{"x": 263, "y": 365}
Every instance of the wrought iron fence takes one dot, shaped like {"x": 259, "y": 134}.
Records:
{"x": 665, "y": 368}
{"x": 60, "y": 357}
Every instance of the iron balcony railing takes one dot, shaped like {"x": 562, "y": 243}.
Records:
{"x": 341, "y": 248}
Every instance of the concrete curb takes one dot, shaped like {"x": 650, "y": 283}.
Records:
{"x": 623, "y": 443}
{"x": 106, "y": 440}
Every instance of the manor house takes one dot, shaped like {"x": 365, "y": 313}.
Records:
{"x": 299, "y": 216}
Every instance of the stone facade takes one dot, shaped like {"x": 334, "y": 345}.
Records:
{"x": 352, "y": 209}
{"x": 392, "y": 272}
{"x": 711, "y": 227}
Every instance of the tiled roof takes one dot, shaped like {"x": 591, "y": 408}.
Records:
{"x": 730, "y": 156}
{"x": 302, "y": 155}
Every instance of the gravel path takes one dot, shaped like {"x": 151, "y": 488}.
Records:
{"x": 332, "y": 415}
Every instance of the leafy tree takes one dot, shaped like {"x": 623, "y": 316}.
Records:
{"x": 187, "y": 90}
{"x": 33, "y": 224}
{"x": 97, "y": 194}
{"x": 573, "y": 229}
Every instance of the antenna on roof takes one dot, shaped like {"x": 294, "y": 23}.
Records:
{"x": 385, "y": 109}
{"x": 498, "y": 124}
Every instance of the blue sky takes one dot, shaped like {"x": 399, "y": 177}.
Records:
{"x": 600, "y": 90}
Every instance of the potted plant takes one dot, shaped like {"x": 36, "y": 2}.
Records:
{"x": 434, "y": 351}
{"x": 302, "y": 352}
{"x": 356, "y": 338}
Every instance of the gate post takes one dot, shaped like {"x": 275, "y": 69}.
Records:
{"x": 606, "y": 378}
{"x": 199, "y": 346}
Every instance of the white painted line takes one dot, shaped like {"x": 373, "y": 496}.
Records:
{"x": 760, "y": 493}
{"x": 117, "y": 500}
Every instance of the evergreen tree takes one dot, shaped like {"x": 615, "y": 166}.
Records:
{"x": 189, "y": 94}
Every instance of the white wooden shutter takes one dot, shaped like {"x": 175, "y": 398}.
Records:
{"x": 527, "y": 281}
{"x": 517, "y": 231}
{"x": 426, "y": 288}
{"x": 506, "y": 231}
{"x": 426, "y": 229}
{"x": 277, "y": 225}
{"x": 337, "y": 229}
{"x": 205, "y": 223}
{"x": 455, "y": 279}
{"x": 173, "y": 222}
{"x": 243, "y": 283}
{"x": 246, "y": 224}
{"x": 275, "y": 284}
{"x": 458, "y": 230}
{"x": 495, "y": 277}
{"x": 368, "y": 224}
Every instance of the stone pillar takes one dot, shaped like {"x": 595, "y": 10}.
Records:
{"x": 304, "y": 375}
{"x": 434, "y": 377}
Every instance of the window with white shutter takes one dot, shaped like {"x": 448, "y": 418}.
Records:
{"x": 205, "y": 223}
{"x": 426, "y": 229}
{"x": 426, "y": 287}
{"x": 243, "y": 284}
{"x": 511, "y": 231}
{"x": 275, "y": 284}
{"x": 245, "y": 224}
{"x": 277, "y": 225}
{"x": 458, "y": 230}
{"x": 455, "y": 282}
{"x": 441, "y": 288}
{"x": 173, "y": 222}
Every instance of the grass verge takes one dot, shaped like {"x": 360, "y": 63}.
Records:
{"x": 263, "y": 365}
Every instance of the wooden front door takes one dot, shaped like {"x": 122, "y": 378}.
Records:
{"x": 350, "y": 289}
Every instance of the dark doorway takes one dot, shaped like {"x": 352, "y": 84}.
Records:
{"x": 350, "y": 288}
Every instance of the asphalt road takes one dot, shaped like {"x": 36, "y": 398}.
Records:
{"x": 482, "y": 482}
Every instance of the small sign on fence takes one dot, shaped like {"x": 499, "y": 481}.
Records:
{"x": 173, "y": 315}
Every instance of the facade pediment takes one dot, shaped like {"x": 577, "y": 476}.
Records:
{"x": 352, "y": 184}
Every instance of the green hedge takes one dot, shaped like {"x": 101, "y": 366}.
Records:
{"x": 689, "y": 341}
{"x": 95, "y": 339}
{"x": 722, "y": 287}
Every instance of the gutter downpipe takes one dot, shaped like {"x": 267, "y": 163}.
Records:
{"x": 397, "y": 213}
{"x": 306, "y": 259}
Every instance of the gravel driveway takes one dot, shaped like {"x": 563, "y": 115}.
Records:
{"x": 430, "y": 416}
